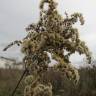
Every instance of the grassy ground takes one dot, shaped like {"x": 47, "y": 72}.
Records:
{"x": 8, "y": 81}
{"x": 86, "y": 86}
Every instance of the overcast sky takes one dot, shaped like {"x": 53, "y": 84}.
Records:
{"x": 15, "y": 15}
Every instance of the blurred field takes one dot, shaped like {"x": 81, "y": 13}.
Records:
{"x": 86, "y": 86}
{"x": 8, "y": 81}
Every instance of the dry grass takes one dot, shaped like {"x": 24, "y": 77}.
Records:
{"x": 86, "y": 86}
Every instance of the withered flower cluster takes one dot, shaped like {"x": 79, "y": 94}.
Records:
{"x": 56, "y": 35}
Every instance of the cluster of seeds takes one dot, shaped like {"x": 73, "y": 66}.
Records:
{"x": 56, "y": 35}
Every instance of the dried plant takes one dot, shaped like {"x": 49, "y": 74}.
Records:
{"x": 56, "y": 35}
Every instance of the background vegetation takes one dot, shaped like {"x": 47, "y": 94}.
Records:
{"x": 86, "y": 86}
